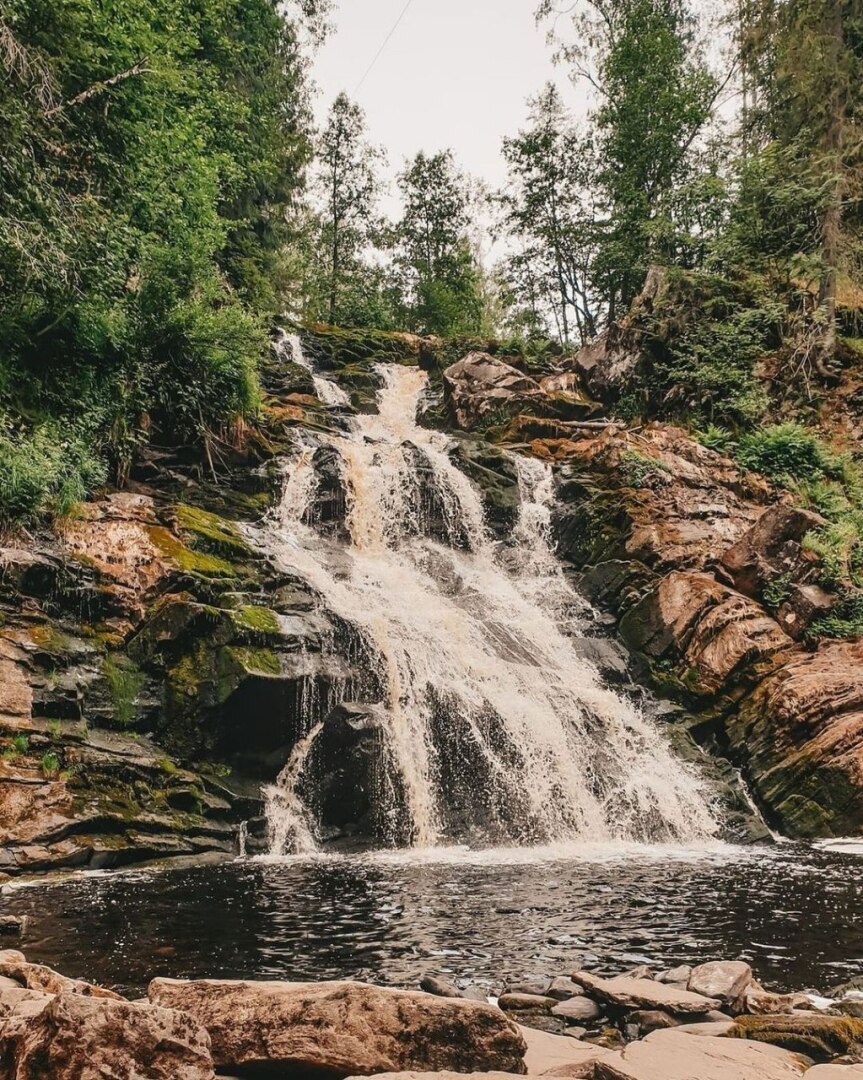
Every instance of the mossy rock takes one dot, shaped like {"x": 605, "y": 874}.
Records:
{"x": 819, "y": 1037}
{"x": 185, "y": 558}
{"x": 256, "y": 623}
{"x": 211, "y": 534}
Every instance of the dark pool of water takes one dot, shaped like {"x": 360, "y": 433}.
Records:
{"x": 794, "y": 913}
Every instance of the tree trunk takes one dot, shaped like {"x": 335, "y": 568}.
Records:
{"x": 831, "y": 222}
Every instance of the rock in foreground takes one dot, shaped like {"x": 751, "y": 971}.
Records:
{"x": 73, "y": 1037}
{"x": 344, "y": 1028}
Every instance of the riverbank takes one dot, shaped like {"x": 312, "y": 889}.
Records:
{"x": 713, "y": 1021}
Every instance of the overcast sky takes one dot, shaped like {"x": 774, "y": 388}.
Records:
{"x": 457, "y": 73}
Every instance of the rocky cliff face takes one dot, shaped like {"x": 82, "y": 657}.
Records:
{"x": 154, "y": 666}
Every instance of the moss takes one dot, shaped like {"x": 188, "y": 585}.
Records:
{"x": 641, "y": 471}
{"x": 819, "y": 1037}
{"x": 125, "y": 681}
{"x": 194, "y": 562}
{"x": 251, "y": 660}
{"x": 256, "y": 621}
{"x": 210, "y": 533}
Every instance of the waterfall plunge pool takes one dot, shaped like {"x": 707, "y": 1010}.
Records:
{"x": 480, "y": 917}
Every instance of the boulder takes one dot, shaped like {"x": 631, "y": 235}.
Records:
{"x": 679, "y": 975}
{"x": 676, "y": 1055}
{"x": 801, "y": 735}
{"x": 727, "y": 980}
{"x": 563, "y": 988}
{"x": 431, "y": 984}
{"x": 72, "y": 1037}
{"x": 762, "y": 1003}
{"x": 480, "y": 387}
{"x": 771, "y": 548}
{"x": 38, "y": 977}
{"x": 645, "y": 994}
{"x": 526, "y": 1003}
{"x": 712, "y": 632}
{"x": 577, "y": 1010}
{"x": 343, "y": 1028}
{"x": 820, "y": 1037}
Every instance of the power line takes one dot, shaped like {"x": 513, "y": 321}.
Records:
{"x": 386, "y": 42}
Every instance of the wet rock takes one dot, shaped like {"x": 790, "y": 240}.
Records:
{"x": 11, "y": 925}
{"x": 538, "y": 985}
{"x": 526, "y": 1003}
{"x": 432, "y": 984}
{"x": 38, "y": 977}
{"x": 343, "y": 1028}
{"x": 820, "y": 1037}
{"x": 677, "y": 1055}
{"x": 71, "y": 1037}
{"x": 801, "y": 732}
{"x": 644, "y": 994}
{"x": 577, "y": 1010}
{"x": 727, "y": 980}
{"x": 849, "y": 1007}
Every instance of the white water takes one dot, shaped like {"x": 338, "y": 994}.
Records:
{"x": 496, "y": 730}
{"x": 290, "y": 347}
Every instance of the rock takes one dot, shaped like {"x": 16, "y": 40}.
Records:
{"x": 38, "y": 977}
{"x": 526, "y": 1003}
{"x": 577, "y": 1010}
{"x": 647, "y": 1020}
{"x": 848, "y": 987}
{"x": 645, "y": 994}
{"x": 835, "y": 1072}
{"x": 679, "y": 975}
{"x": 676, "y": 1055}
{"x": 802, "y": 606}
{"x": 706, "y": 628}
{"x": 851, "y": 1007}
{"x": 10, "y": 925}
{"x": 431, "y": 984}
{"x": 640, "y": 972}
{"x": 71, "y": 1037}
{"x": 343, "y": 1027}
{"x": 727, "y": 980}
{"x": 481, "y": 387}
{"x": 819, "y": 1037}
{"x": 762, "y": 1003}
{"x": 539, "y": 985}
{"x": 801, "y": 732}
{"x": 559, "y": 1055}
{"x": 769, "y": 549}
{"x": 563, "y": 988}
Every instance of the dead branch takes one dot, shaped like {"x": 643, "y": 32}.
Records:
{"x": 101, "y": 86}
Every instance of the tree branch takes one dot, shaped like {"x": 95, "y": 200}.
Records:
{"x": 101, "y": 86}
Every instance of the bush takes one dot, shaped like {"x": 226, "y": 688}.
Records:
{"x": 45, "y": 472}
{"x": 787, "y": 453}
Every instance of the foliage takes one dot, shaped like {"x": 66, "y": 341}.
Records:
{"x": 50, "y": 764}
{"x": 46, "y": 470}
{"x": 716, "y": 438}
{"x": 150, "y": 155}
{"x": 844, "y": 621}
{"x": 786, "y": 453}
{"x": 441, "y": 281}
{"x": 548, "y": 210}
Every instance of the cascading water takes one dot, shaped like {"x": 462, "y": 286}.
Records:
{"x": 494, "y": 729}
{"x": 290, "y": 346}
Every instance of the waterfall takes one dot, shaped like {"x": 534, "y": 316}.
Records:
{"x": 495, "y": 729}
{"x": 290, "y": 346}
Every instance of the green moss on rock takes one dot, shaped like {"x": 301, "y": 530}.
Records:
{"x": 210, "y": 533}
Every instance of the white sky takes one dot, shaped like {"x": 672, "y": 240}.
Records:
{"x": 457, "y": 73}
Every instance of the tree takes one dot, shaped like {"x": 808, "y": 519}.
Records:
{"x": 150, "y": 156}
{"x": 548, "y": 210}
{"x": 803, "y": 60}
{"x": 441, "y": 279}
{"x": 348, "y": 185}
{"x": 655, "y": 95}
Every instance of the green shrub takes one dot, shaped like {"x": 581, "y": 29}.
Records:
{"x": 844, "y": 621}
{"x": 786, "y": 453}
{"x": 45, "y": 471}
{"x": 717, "y": 438}
{"x": 50, "y": 764}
